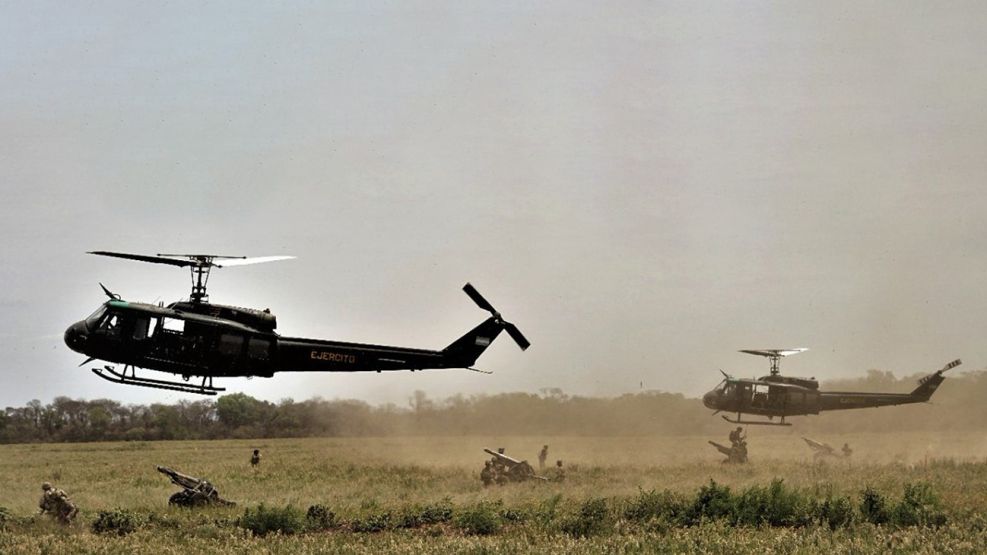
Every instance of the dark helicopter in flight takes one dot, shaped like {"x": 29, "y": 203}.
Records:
{"x": 198, "y": 339}
{"x": 777, "y": 395}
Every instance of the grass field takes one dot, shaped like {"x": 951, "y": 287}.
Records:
{"x": 361, "y": 479}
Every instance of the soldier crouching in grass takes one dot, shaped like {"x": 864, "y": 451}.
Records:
{"x": 56, "y": 503}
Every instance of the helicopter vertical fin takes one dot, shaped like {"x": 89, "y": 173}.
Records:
{"x": 928, "y": 385}
{"x": 464, "y": 351}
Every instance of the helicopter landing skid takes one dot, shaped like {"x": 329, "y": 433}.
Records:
{"x": 755, "y": 422}
{"x": 108, "y": 373}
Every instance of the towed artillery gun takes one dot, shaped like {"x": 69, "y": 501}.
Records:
{"x": 822, "y": 450}
{"x": 514, "y": 470}
{"x": 195, "y": 492}
{"x": 736, "y": 454}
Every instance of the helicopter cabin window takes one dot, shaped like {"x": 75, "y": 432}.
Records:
{"x": 173, "y": 325}
{"x": 144, "y": 327}
{"x": 230, "y": 344}
{"x": 259, "y": 348}
{"x": 760, "y": 395}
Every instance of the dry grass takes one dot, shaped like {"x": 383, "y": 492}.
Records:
{"x": 360, "y": 476}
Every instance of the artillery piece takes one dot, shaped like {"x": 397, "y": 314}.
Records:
{"x": 822, "y": 450}
{"x": 736, "y": 454}
{"x": 195, "y": 492}
{"x": 512, "y": 469}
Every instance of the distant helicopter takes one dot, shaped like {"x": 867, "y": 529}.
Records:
{"x": 777, "y": 395}
{"x": 198, "y": 339}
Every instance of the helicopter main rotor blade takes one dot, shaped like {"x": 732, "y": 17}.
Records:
{"x": 252, "y": 260}
{"x": 478, "y": 298}
{"x": 145, "y": 258}
{"x": 516, "y": 336}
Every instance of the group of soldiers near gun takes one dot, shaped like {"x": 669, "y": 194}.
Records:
{"x": 502, "y": 469}
{"x": 737, "y": 452}
{"x": 195, "y": 492}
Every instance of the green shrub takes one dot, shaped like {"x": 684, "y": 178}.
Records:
{"x": 263, "y": 520}
{"x": 417, "y": 515}
{"x": 4, "y": 517}
{"x": 835, "y": 512}
{"x": 874, "y": 507}
{"x": 592, "y": 519}
{"x": 117, "y": 521}
{"x": 712, "y": 502}
{"x": 437, "y": 512}
{"x": 547, "y": 510}
{"x": 373, "y": 522}
{"x": 481, "y": 520}
{"x": 775, "y": 505}
{"x": 320, "y": 517}
{"x": 514, "y": 514}
{"x": 919, "y": 507}
{"x": 661, "y": 505}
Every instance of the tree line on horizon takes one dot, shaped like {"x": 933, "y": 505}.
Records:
{"x": 958, "y": 405}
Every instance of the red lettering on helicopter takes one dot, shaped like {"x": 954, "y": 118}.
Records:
{"x": 332, "y": 357}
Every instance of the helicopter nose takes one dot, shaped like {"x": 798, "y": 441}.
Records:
{"x": 709, "y": 400}
{"x": 75, "y": 336}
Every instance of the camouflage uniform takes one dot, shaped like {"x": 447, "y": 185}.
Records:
{"x": 255, "y": 459}
{"x": 557, "y": 474}
{"x": 736, "y": 436}
{"x": 487, "y": 474}
{"x": 56, "y": 503}
{"x": 542, "y": 457}
{"x": 740, "y": 452}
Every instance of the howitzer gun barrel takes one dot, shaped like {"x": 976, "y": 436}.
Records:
{"x": 509, "y": 460}
{"x": 179, "y": 479}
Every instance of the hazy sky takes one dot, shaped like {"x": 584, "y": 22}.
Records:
{"x": 643, "y": 188}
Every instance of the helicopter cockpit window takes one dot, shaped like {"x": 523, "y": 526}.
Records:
{"x": 728, "y": 389}
{"x": 92, "y": 322}
{"x": 110, "y": 324}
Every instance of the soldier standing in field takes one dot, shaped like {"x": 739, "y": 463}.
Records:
{"x": 56, "y": 502}
{"x": 255, "y": 459}
{"x": 487, "y": 474}
{"x": 846, "y": 450}
{"x": 542, "y": 457}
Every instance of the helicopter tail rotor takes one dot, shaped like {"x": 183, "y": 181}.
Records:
{"x": 510, "y": 328}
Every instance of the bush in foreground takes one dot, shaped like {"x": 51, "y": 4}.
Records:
{"x": 117, "y": 521}
{"x": 320, "y": 517}
{"x": 263, "y": 520}
{"x": 481, "y": 520}
{"x": 593, "y": 518}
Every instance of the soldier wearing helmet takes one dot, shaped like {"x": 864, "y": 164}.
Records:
{"x": 56, "y": 503}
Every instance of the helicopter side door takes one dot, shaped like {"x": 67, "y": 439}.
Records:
{"x": 237, "y": 353}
